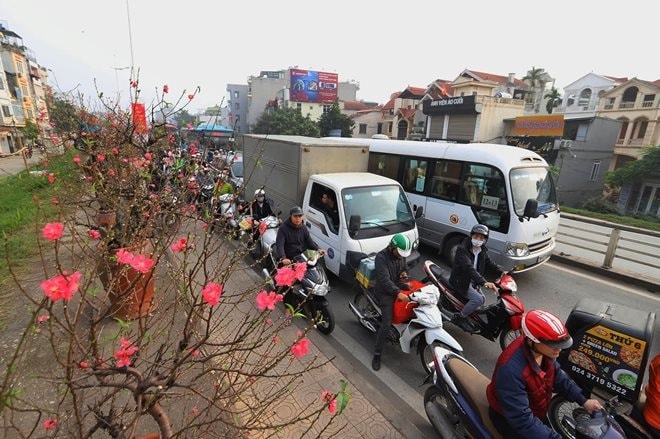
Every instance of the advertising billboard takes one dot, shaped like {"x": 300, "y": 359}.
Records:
{"x": 551, "y": 125}
{"x": 312, "y": 86}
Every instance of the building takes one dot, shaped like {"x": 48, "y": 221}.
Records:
{"x": 581, "y": 97}
{"x": 368, "y": 122}
{"x": 237, "y": 105}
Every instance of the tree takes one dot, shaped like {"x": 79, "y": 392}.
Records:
{"x": 62, "y": 113}
{"x": 334, "y": 119}
{"x": 647, "y": 166}
{"x": 184, "y": 118}
{"x": 554, "y": 99}
{"x": 536, "y": 80}
{"x": 31, "y": 131}
{"x": 288, "y": 121}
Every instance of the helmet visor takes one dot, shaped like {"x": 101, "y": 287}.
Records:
{"x": 564, "y": 343}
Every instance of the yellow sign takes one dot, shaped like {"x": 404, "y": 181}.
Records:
{"x": 550, "y": 125}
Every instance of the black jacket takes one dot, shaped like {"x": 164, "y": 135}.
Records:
{"x": 292, "y": 241}
{"x": 463, "y": 272}
{"x": 387, "y": 271}
{"x": 260, "y": 212}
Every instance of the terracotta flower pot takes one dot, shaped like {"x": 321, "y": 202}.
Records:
{"x": 131, "y": 292}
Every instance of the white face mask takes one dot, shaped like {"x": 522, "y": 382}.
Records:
{"x": 477, "y": 242}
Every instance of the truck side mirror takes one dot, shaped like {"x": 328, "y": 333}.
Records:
{"x": 354, "y": 225}
{"x": 531, "y": 209}
{"x": 419, "y": 212}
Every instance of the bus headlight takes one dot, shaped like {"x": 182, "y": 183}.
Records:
{"x": 518, "y": 249}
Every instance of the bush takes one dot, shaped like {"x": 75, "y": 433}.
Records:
{"x": 598, "y": 204}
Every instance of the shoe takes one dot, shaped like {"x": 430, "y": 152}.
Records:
{"x": 375, "y": 363}
{"x": 463, "y": 322}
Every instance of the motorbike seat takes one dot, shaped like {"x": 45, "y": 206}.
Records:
{"x": 472, "y": 385}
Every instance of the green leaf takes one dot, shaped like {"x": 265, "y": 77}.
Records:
{"x": 123, "y": 326}
{"x": 343, "y": 397}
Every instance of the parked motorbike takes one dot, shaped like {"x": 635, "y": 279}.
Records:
{"x": 416, "y": 322}
{"x": 501, "y": 318}
{"x": 457, "y": 406}
{"x": 309, "y": 295}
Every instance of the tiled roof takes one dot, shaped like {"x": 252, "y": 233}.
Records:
{"x": 498, "y": 78}
{"x": 657, "y": 82}
{"x": 439, "y": 89}
{"x": 616, "y": 79}
{"x": 390, "y": 103}
{"x": 356, "y": 105}
{"x": 407, "y": 113}
{"x": 417, "y": 91}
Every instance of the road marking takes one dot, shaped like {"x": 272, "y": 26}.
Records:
{"x": 389, "y": 379}
{"x": 620, "y": 285}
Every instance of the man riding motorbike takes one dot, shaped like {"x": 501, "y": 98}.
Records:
{"x": 526, "y": 375}
{"x": 467, "y": 272}
{"x": 293, "y": 238}
{"x": 390, "y": 274}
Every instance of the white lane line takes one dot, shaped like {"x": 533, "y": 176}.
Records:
{"x": 389, "y": 379}
{"x": 600, "y": 279}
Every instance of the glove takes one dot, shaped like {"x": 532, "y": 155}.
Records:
{"x": 405, "y": 286}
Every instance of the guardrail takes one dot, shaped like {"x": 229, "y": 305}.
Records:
{"x": 610, "y": 245}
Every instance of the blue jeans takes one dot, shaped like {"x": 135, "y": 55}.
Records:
{"x": 475, "y": 300}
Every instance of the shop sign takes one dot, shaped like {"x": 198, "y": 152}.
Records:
{"x": 551, "y": 125}
{"x": 458, "y": 104}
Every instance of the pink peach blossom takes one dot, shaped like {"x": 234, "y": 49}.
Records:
{"x": 147, "y": 156}
{"x": 300, "y": 348}
{"x": 51, "y": 178}
{"x": 211, "y": 293}
{"x": 124, "y": 256}
{"x": 52, "y": 231}
{"x": 61, "y": 287}
{"x": 299, "y": 270}
{"x": 50, "y": 424}
{"x": 94, "y": 234}
{"x": 267, "y": 300}
{"x": 142, "y": 263}
{"x": 76, "y": 160}
{"x": 115, "y": 151}
{"x": 262, "y": 227}
{"x": 100, "y": 158}
{"x": 180, "y": 245}
{"x": 166, "y": 89}
{"x": 190, "y": 97}
{"x": 285, "y": 276}
{"x": 83, "y": 365}
{"x": 42, "y": 318}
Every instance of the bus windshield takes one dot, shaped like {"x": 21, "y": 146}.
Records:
{"x": 534, "y": 183}
{"x": 378, "y": 207}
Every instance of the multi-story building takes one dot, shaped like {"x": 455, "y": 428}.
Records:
{"x": 38, "y": 85}
{"x": 7, "y": 140}
{"x": 237, "y": 106}
{"x": 581, "y": 97}
{"x": 398, "y": 114}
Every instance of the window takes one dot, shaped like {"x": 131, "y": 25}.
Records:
{"x": 484, "y": 188}
{"x": 5, "y": 111}
{"x": 19, "y": 67}
{"x": 582, "y": 132}
{"x": 327, "y": 108}
{"x": 363, "y": 128}
{"x": 324, "y": 200}
{"x": 30, "y": 114}
{"x": 595, "y": 167}
{"x": 389, "y": 127}
{"x": 385, "y": 165}
{"x": 2, "y": 84}
{"x": 642, "y": 129}
{"x": 237, "y": 106}
{"x": 236, "y": 94}
{"x": 379, "y": 129}
{"x": 446, "y": 179}
{"x": 414, "y": 175}
{"x": 24, "y": 89}
{"x": 624, "y": 129}
{"x": 585, "y": 97}
{"x": 648, "y": 101}
{"x": 299, "y": 106}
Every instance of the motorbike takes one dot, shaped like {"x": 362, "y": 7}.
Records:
{"x": 501, "y": 319}
{"x": 416, "y": 322}
{"x": 309, "y": 294}
{"x": 263, "y": 247}
{"x": 225, "y": 211}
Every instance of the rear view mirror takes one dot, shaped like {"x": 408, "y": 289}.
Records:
{"x": 419, "y": 212}
{"x": 531, "y": 209}
{"x": 354, "y": 225}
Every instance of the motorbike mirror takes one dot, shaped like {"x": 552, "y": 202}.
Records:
{"x": 419, "y": 212}
{"x": 354, "y": 225}
{"x": 531, "y": 209}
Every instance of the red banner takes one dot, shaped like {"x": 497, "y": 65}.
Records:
{"x": 139, "y": 118}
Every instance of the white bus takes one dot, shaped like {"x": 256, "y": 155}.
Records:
{"x": 460, "y": 185}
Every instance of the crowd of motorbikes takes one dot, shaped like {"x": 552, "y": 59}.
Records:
{"x": 455, "y": 401}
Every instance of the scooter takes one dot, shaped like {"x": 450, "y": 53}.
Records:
{"x": 416, "y": 322}
{"x": 457, "y": 406}
{"x": 502, "y": 318}
{"x": 308, "y": 295}
{"x": 263, "y": 249}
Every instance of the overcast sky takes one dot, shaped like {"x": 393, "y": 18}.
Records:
{"x": 385, "y": 46}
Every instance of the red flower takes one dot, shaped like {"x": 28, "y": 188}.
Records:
{"x": 54, "y": 201}
{"x": 94, "y": 234}
{"x": 42, "y": 318}
{"x": 301, "y": 348}
{"x": 180, "y": 245}
{"x": 142, "y": 263}
{"x": 191, "y": 97}
{"x": 147, "y": 156}
{"x": 300, "y": 269}
{"x": 76, "y": 160}
{"x": 189, "y": 126}
{"x": 332, "y": 407}
{"x": 211, "y": 293}
{"x": 268, "y": 300}
{"x": 111, "y": 172}
{"x": 51, "y": 178}
{"x": 52, "y": 231}
{"x": 100, "y": 157}
{"x": 166, "y": 89}
{"x": 115, "y": 151}
{"x": 61, "y": 287}
{"x": 204, "y": 226}
{"x": 124, "y": 257}
{"x": 83, "y": 365}
{"x": 285, "y": 276}
{"x": 50, "y": 424}
{"x": 35, "y": 198}
{"x": 123, "y": 355}
{"x": 134, "y": 84}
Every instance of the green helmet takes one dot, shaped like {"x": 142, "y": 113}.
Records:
{"x": 402, "y": 243}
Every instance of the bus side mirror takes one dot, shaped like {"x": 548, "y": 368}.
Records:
{"x": 419, "y": 212}
{"x": 354, "y": 225}
{"x": 531, "y": 209}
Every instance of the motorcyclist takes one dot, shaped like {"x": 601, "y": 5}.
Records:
{"x": 467, "y": 272}
{"x": 293, "y": 238}
{"x": 526, "y": 375}
{"x": 222, "y": 185}
{"x": 259, "y": 207}
{"x": 390, "y": 275}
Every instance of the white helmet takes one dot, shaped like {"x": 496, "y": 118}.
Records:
{"x": 259, "y": 192}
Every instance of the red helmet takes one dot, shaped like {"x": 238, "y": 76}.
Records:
{"x": 543, "y": 327}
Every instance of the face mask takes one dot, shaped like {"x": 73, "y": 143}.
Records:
{"x": 477, "y": 242}
{"x": 260, "y": 199}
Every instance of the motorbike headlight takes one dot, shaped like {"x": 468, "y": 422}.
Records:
{"x": 320, "y": 290}
{"x": 517, "y": 249}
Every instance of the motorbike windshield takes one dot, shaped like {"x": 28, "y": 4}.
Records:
{"x": 536, "y": 183}
{"x": 381, "y": 208}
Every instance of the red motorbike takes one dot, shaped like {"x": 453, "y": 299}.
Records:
{"x": 500, "y": 319}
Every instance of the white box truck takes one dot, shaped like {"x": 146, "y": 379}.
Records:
{"x": 296, "y": 170}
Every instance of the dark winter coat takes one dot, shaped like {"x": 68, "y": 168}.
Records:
{"x": 386, "y": 273}
{"x": 463, "y": 272}
{"x": 292, "y": 241}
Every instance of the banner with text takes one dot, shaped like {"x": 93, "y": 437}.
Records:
{"x": 312, "y": 86}
{"x": 549, "y": 125}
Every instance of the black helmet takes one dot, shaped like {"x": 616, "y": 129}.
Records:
{"x": 480, "y": 229}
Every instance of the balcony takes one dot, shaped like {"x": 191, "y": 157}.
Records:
{"x": 647, "y": 104}
{"x": 608, "y": 106}
{"x": 633, "y": 143}
{"x": 624, "y": 105}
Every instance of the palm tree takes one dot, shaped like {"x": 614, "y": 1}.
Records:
{"x": 554, "y": 99}
{"x": 535, "y": 79}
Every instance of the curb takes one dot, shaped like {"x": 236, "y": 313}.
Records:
{"x": 611, "y": 273}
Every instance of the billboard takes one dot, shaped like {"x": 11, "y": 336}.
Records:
{"x": 550, "y": 125}
{"x": 312, "y": 86}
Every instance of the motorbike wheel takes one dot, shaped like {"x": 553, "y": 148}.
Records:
{"x": 508, "y": 335}
{"x": 426, "y": 351}
{"x": 439, "y": 414}
{"x": 557, "y": 409}
{"x": 327, "y": 325}
{"x": 364, "y": 306}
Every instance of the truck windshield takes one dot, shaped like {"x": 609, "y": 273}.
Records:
{"x": 378, "y": 207}
{"x": 534, "y": 183}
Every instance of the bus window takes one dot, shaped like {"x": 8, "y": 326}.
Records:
{"x": 484, "y": 188}
{"x": 414, "y": 175}
{"x": 385, "y": 165}
{"x": 446, "y": 178}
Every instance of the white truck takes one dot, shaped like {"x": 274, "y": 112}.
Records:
{"x": 298, "y": 171}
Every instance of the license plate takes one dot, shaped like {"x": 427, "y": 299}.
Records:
{"x": 543, "y": 258}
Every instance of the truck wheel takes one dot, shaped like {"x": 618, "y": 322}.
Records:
{"x": 557, "y": 409}
{"x": 438, "y": 411}
{"x": 449, "y": 249}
